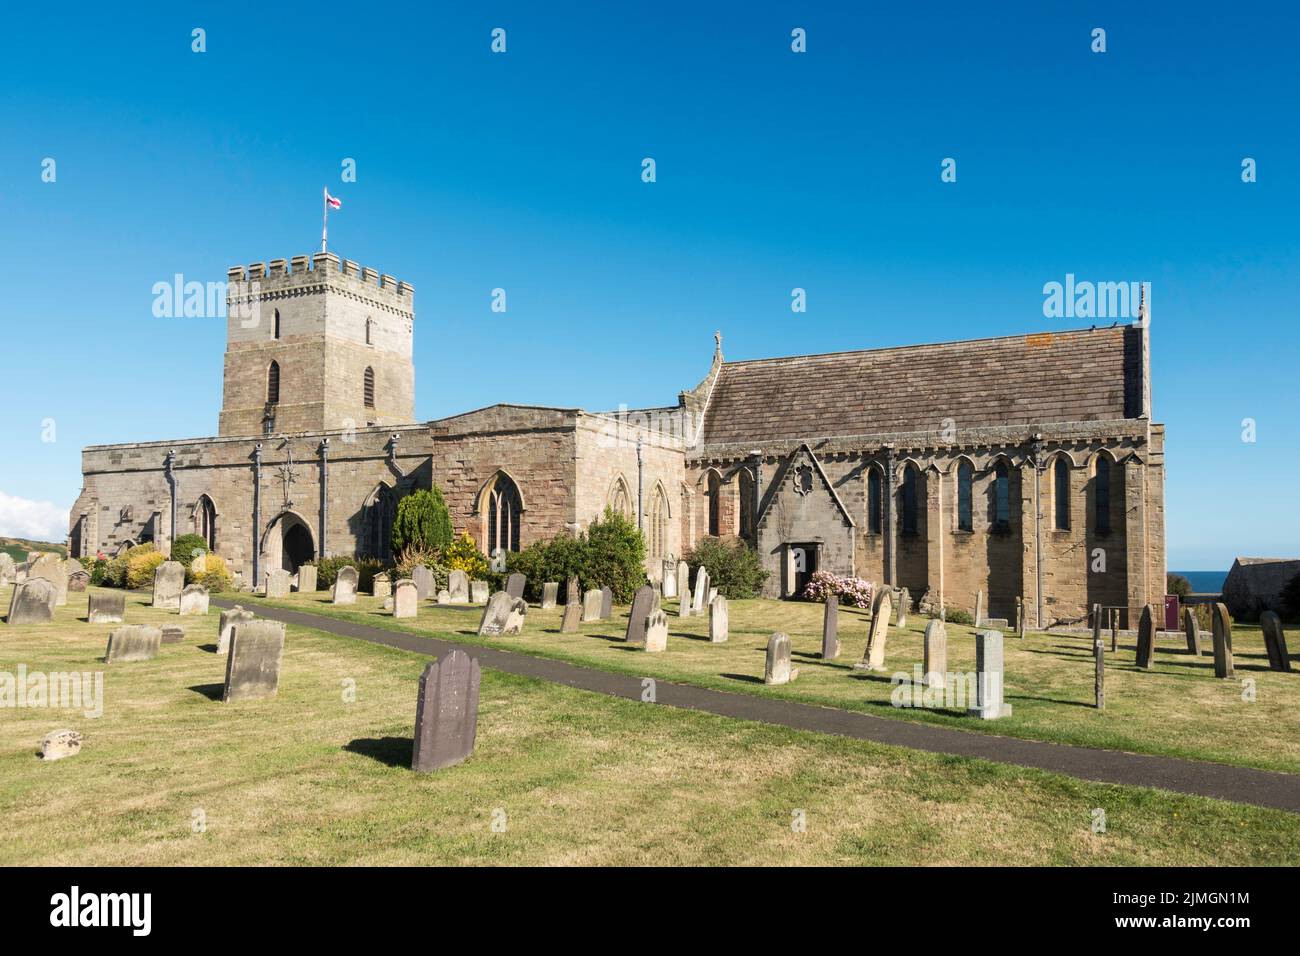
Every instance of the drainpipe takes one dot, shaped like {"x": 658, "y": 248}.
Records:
{"x": 640, "y": 484}
{"x": 1038, "y": 526}
{"x": 324, "y": 494}
{"x": 257, "y": 511}
{"x": 757, "y": 456}
{"x": 891, "y": 543}
{"x": 168, "y": 463}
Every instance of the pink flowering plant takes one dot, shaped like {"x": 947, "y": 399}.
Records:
{"x": 850, "y": 590}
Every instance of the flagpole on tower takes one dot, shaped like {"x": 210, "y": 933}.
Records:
{"x": 324, "y": 216}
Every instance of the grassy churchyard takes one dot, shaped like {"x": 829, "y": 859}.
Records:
{"x": 170, "y": 775}
{"x": 1178, "y": 708}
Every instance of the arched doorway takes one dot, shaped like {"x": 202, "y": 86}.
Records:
{"x": 205, "y": 521}
{"x": 288, "y": 542}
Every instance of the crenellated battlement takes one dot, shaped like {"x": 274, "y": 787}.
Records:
{"x": 323, "y": 266}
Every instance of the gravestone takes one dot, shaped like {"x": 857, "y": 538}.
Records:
{"x": 979, "y": 608}
{"x": 478, "y": 592}
{"x": 345, "y": 585}
{"x": 701, "y": 599}
{"x": 444, "y": 596}
{"x": 32, "y": 602}
{"x": 904, "y": 601}
{"x": 253, "y": 665}
{"x": 1020, "y": 616}
{"x": 133, "y": 642}
{"x": 591, "y": 606}
{"x": 1275, "y": 641}
{"x": 572, "y": 617}
{"x": 168, "y": 579}
{"x": 422, "y": 578}
{"x": 777, "y": 669}
{"x": 572, "y": 590}
{"x": 107, "y": 608}
{"x": 989, "y": 673}
{"x": 382, "y": 586}
{"x": 1146, "y": 642}
{"x": 874, "y": 657}
{"x": 172, "y": 634}
{"x": 503, "y": 615}
{"x": 226, "y": 624}
{"x": 550, "y": 590}
{"x": 515, "y": 585}
{"x": 387, "y": 606}
{"x": 79, "y": 580}
{"x": 277, "y": 583}
{"x": 1192, "y": 628}
{"x": 50, "y": 567}
{"x": 1098, "y": 661}
{"x": 194, "y": 600}
{"x": 718, "y": 620}
{"x": 713, "y": 592}
{"x": 642, "y": 607}
{"x": 7, "y": 569}
{"x": 683, "y": 582}
{"x": 58, "y": 744}
{"x": 406, "y": 598}
{"x": 656, "y": 631}
{"x": 934, "y": 662}
{"x": 831, "y": 628}
{"x": 458, "y": 587}
{"x": 668, "y": 582}
{"x": 606, "y": 603}
{"x": 446, "y": 712}
{"x": 307, "y": 579}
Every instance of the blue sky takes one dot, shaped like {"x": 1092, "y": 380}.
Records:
{"x": 775, "y": 170}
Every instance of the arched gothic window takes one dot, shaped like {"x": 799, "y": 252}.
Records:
{"x": 368, "y": 388}
{"x": 875, "y": 499}
{"x": 273, "y": 384}
{"x": 715, "y": 493}
{"x": 1061, "y": 494}
{"x": 658, "y": 524}
{"x": 1001, "y": 497}
{"x": 205, "y": 522}
{"x": 908, "y": 493}
{"x": 965, "y": 496}
{"x": 382, "y": 509}
{"x": 502, "y": 515}
{"x": 1101, "y": 494}
{"x": 620, "y": 499}
{"x": 748, "y": 506}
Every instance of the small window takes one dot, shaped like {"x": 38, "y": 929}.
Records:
{"x": 715, "y": 492}
{"x": 1101, "y": 494}
{"x": 1001, "y": 497}
{"x": 368, "y": 388}
{"x": 965, "y": 481}
{"x": 1061, "y": 494}
{"x": 909, "y": 500}
{"x": 273, "y": 384}
{"x": 875, "y": 521}
{"x": 275, "y": 331}
{"x": 369, "y": 330}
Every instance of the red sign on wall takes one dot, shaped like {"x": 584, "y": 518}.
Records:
{"x": 1171, "y": 612}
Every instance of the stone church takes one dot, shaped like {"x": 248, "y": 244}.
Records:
{"x": 1021, "y": 466}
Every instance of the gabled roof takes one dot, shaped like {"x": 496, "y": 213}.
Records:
{"x": 773, "y": 489}
{"x": 1074, "y": 376}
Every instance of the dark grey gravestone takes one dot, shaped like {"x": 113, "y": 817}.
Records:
{"x": 831, "y": 628}
{"x": 1275, "y": 641}
{"x": 642, "y": 606}
{"x": 78, "y": 580}
{"x": 446, "y": 714}
{"x": 1223, "y": 667}
{"x": 606, "y": 603}
{"x": 1192, "y": 629}
{"x": 1146, "y": 645}
{"x": 253, "y": 665}
{"x": 33, "y": 602}
{"x": 423, "y": 580}
{"x": 515, "y": 585}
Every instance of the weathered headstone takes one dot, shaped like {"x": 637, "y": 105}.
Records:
{"x": 478, "y": 592}
{"x": 32, "y": 602}
{"x": 989, "y": 674}
{"x": 701, "y": 599}
{"x": 572, "y": 617}
{"x": 550, "y": 590}
{"x": 1146, "y": 641}
{"x": 1020, "y": 616}
{"x": 979, "y": 608}
{"x": 422, "y": 578}
{"x": 683, "y": 583}
{"x": 444, "y": 596}
{"x": 1192, "y": 628}
{"x": 904, "y": 601}
{"x": 606, "y": 603}
{"x": 642, "y": 606}
{"x": 1275, "y": 641}
{"x": 515, "y": 585}
{"x": 194, "y": 600}
{"x": 831, "y": 628}
{"x": 307, "y": 579}
{"x": 591, "y": 606}
{"x": 458, "y": 586}
{"x": 668, "y": 582}
{"x": 52, "y": 568}
{"x": 1099, "y": 660}
{"x": 406, "y": 598}
{"x": 345, "y": 585}
{"x": 718, "y": 620}
{"x": 172, "y": 634}
{"x": 105, "y": 608}
{"x": 7, "y": 569}
{"x": 934, "y": 664}
{"x": 446, "y": 712}
{"x": 58, "y": 744}
{"x": 1114, "y": 630}
{"x": 133, "y": 642}
{"x": 382, "y": 586}
{"x": 656, "y": 631}
{"x": 277, "y": 583}
{"x": 874, "y": 657}
{"x": 503, "y": 615}
{"x": 777, "y": 669}
{"x": 168, "y": 580}
{"x": 253, "y": 665}
{"x": 572, "y": 590}
{"x": 226, "y": 624}
{"x": 79, "y": 580}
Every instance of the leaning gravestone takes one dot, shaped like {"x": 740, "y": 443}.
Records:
{"x": 134, "y": 642}
{"x": 572, "y": 591}
{"x": 668, "y": 580}
{"x": 32, "y": 602}
{"x": 642, "y": 607}
{"x": 226, "y": 624}
{"x": 478, "y": 592}
{"x": 406, "y": 598}
{"x": 105, "y": 608}
{"x": 446, "y": 712}
{"x": 1223, "y": 642}
{"x": 1192, "y": 628}
{"x": 1146, "y": 643}
{"x": 656, "y": 631}
{"x": 572, "y": 617}
{"x": 194, "y": 600}
{"x": 79, "y": 580}
{"x": 989, "y": 704}
{"x": 591, "y": 606}
{"x": 168, "y": 580}
{"x": 382, "y": 586}
{"x": 515, "y": 585}
{"x": 422, "y": 578}
{"x": 253, "y": 666}
{"x": 503, "y": 615}
{"x": 606, "y": 603}
{"x": 345, "y": 585}
{"x": 550, "y": 591}
{"x": 934, "y": 664}
{"x": 778, "y": 669}
{"x": 277, "y": 583}
{"x": 874, "y": 658}
{"x": 718, "y": 620}
{"x": 307, "y": 579}
{"x": 831, "y": 628}
{"x": 1275, "y": 641}
{"x": 458, "y": 587}
{"x": 701, "y": 597}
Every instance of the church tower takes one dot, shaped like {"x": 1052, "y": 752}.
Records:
{"x": 316, "y": 344}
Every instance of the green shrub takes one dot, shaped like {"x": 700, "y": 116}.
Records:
{"x": 413, "y": 557}
{"x": 422, "y": 520}
{"x": 115, "y": 569}
{"x": 734, "y": 567}
{"x": 552, "y": 560}
{"x": 327, "y": 570}
{"x": 1177, "y": 584}
{"x": 955, "y": 615}
{"x": 97, "y": 568}
{"x": 140, "y": 568}
{"x": 215, "y": 576}
{"x": 614, "y": 556}
{"x": 463, "y": 555}
{"x": 187, "y": 547}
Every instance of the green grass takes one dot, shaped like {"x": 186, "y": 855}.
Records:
{"x": 1178, "y": 708}
{"x": 581, "y": 778}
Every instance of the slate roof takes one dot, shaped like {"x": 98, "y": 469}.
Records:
{"x": 1075, "y": 376}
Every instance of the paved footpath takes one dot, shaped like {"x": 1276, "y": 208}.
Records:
{"x": 1240, "y": 784}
